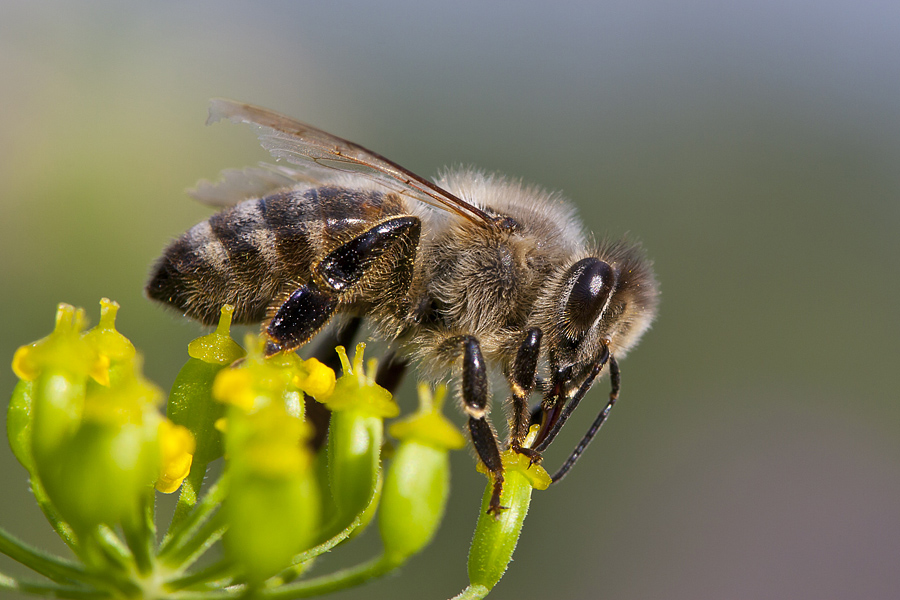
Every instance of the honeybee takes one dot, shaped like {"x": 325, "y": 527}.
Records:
{"x": 470, "y": 272}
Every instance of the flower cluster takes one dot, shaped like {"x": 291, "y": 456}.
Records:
{"x": 89, "y": 430}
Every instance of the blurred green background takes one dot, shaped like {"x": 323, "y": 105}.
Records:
{"x": 753, "y": 147}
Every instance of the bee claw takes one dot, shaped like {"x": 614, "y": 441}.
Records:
{"x": 496, "y": 509}
{"x": 534, "y": 457}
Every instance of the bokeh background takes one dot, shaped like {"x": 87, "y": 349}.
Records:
{"x": 754, "y": 147}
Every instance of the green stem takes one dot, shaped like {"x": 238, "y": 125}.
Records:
{"x": 138, "y": 532}
{"x": 193, "y": 548}
{"x": 343, "y": 579}
{"x": 473, "y": 592}
{"x": 49, "y": 566}
{"x": 188, "y": 526}
{"x": 333, "y": 582}
{"x": 112, "y": 548}
{"x": 62, "y": 529}
{"x": 73, "y": 593}
{"x": 109, "y": 561}
{"x": 214, "y": 576}
{"x": 187, "y": 497}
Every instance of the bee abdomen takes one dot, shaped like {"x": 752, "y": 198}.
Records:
{"x": 248, "y": 255}
{"x": 242, "y": 256}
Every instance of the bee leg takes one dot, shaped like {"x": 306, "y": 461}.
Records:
{"x": 475, "y": 399}
{"x": 521, "y": 383}
{"x": 310, "y": 307}
{"x": 615, "y": 382}
{"x": 301, "y": 316}
{"x": 347, "y": 264}
{"x": 559, "y": 414}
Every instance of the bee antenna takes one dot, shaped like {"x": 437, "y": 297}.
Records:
{"x": 615, "y": 382}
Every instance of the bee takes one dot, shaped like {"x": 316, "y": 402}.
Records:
{"x": 469, "y": 273}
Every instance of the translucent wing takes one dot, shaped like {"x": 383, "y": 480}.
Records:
{"x": 315, "y": 150}
{"x": 237, "y": 185}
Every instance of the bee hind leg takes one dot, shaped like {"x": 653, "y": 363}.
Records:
{"x": 299, "y": 318}
{"x": 338, "y": 274}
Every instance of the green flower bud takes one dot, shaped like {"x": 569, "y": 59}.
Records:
{"x": 104, "y": 471}
{"x": 355, "y": 435}
{"x": 354, "y": 459}
{"x": 273, "y": 508}
{"x": 191, "y": 404}
{"x": 496, "y": 536}
{"x": 418, "y": 480}
{"x": 59, "y": 367}
{"x": 270, "y": 520}
{"x": 100, "y": 475}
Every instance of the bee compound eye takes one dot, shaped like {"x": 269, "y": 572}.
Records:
{"x": 592, "y": 282}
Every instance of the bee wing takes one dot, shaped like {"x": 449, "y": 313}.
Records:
{"x": 237, "y": 185}
{"x": 315, "y": 150}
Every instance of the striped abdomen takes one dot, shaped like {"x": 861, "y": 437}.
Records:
{"x": 251, "y": 253}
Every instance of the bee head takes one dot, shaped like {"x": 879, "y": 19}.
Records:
{"x": 597, "y": 305}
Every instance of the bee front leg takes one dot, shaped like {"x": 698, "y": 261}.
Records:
{"x": 521, "y": 383}
{"x": 475, "y": 402}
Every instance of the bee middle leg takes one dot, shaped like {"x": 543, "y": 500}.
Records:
{"x": 338, "y": 274}
{"x": 475, "y": 403}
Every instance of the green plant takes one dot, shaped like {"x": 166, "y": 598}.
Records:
{"x": 88, "y": 428}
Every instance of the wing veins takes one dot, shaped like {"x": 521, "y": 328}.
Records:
{"x": 298, "y": 142}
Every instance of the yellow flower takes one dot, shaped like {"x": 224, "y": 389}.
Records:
{"x": 356, "y": 390}
{"x": 534, "y": 474}
{"x": 64, "y": 350}
{"x": 176, "y": 452}
{"x": 429, "y": 426}
{"x": 235, "y": 386}
{"x": 315, "y": 379}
